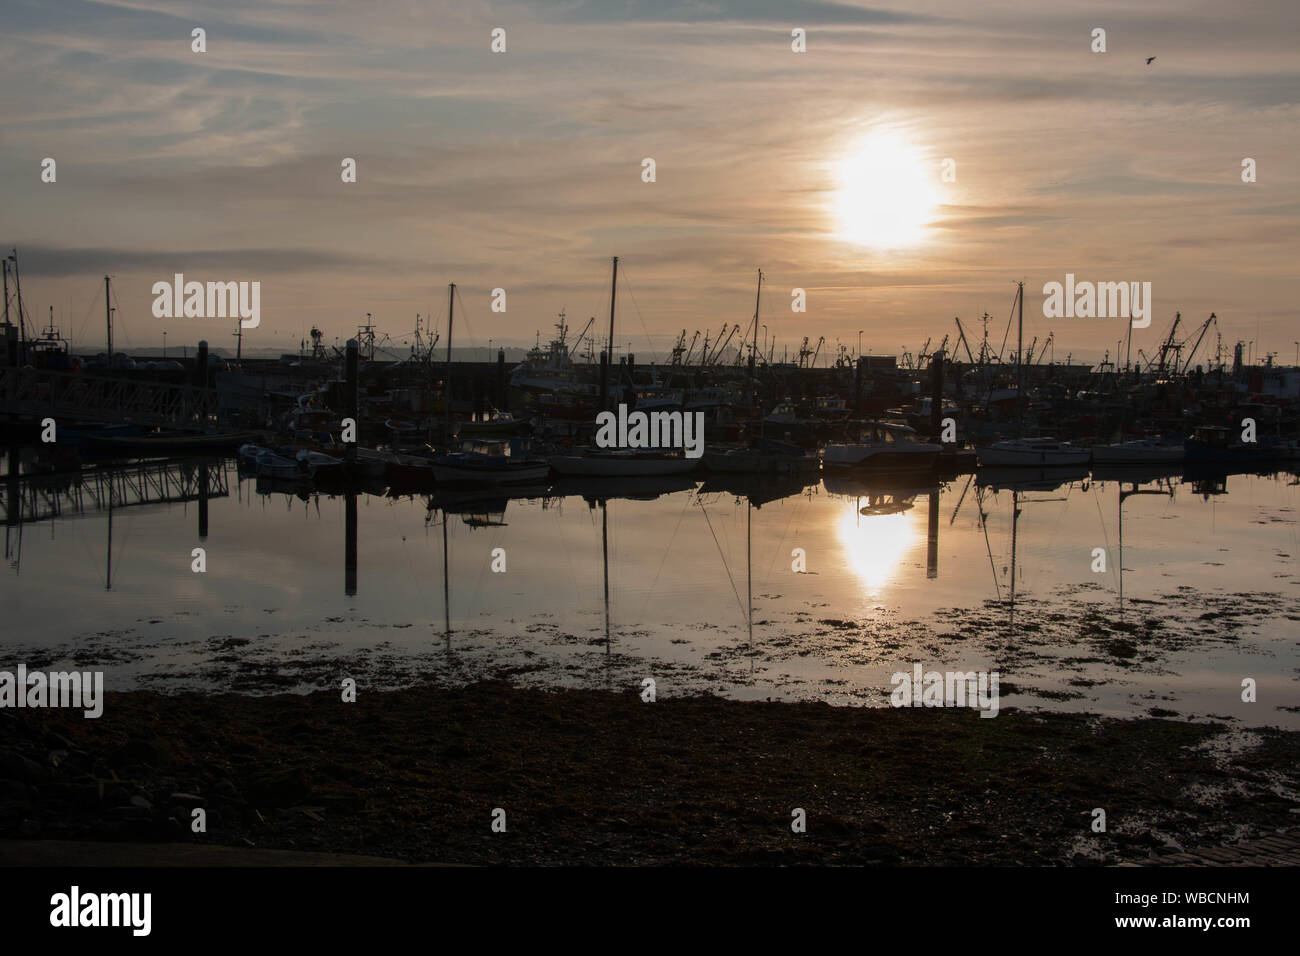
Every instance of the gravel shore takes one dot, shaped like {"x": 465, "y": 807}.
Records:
{"x": 598, "y": 777}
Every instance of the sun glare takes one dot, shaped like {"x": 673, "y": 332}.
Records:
{"x": 887, "y": 192}
{"x": 875, "y": 546}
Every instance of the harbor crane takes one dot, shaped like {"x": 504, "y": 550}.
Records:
{"x": 582, "y": 334}
{"x": 805, "y": 352}
{"x": 961, "y": 337}
{"x": 1168, "y": 346}
{"x": 717, "y": 352}
{"x": 1191, "y": 354}
{"x": 695, "y": 338}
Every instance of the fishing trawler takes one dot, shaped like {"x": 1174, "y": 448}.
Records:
{"x": 551, "y": 369}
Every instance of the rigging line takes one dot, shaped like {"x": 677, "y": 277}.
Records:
{"x": 564, "y": 545}
{"x": 1007, "y": 332}
{"x": 1060, "y": 519}
{"x": 464, "y": 313}
{"x": 654, "y": 356}
{"x": 780, "y": 545}
{"x": 725, "y": 566}
{"x": 984, "y": 524}
{"x": 1102, "y": 520}
{"x": 85, "y": 317}
{"x": 664, "y": 560}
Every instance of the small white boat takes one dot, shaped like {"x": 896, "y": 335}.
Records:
{"x": 1032, "y": 452}
{"x": 248, "y": 454}
{"x": 271, "y": 465}
{"x": 319, "y": 464}
{"x": 883, "y": 445}
{"x": 621, "y": 463}
{"x": 1140, "y": 451}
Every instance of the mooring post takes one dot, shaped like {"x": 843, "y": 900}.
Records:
{"x": 936, "y": 393}
{"x": 350, "y": 543}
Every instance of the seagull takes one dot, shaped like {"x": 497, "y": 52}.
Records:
{"x": 1149, "y": 59}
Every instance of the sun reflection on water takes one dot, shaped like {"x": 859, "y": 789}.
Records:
{"x": 875, "y": 545}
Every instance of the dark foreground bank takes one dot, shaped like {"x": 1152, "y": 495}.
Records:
{"x": 601, "y": 777}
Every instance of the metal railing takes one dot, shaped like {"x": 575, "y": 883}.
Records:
{"x": 39, "y": 393}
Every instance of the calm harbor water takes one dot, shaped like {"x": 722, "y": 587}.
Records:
{"x": 893, "y": 577}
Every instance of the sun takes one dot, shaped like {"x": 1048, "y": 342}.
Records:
{"x": 887, "y": 192}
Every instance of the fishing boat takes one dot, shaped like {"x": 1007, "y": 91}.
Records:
{"x": 1214, "y": 443}
{"x": 622, "y": 463}
{"x": 405, "y": 470}
{"x": 1140, "y": 451}
{"x": 883, "y": 445}
{"x": 493, "y": 462}
{"x": 787, "y": 421}
{"x": 495, "y": 425}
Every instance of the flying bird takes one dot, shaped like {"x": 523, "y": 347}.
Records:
{"x": 1149, "y": 59}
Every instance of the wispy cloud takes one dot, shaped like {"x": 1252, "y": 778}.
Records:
{"x": 522, "y": 169}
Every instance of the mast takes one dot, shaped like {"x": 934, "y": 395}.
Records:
{"x": 613, "y": 294}
{"x": 446, "y": 385}
{"x": 22, "y": 325}
{"x": 108, "y": 560}
{"x": 1020, "y": 362}
{"x": 604, "y": 547}
{"x": 1015, "y": 521}
{"x": 446, "y": 582}
{"x": 749, "y": 561}
{"x": 108, "y": 321}
{"x": 753, "y": 357}
{"x": 1128, "y": 348}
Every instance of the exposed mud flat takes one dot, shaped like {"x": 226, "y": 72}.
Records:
{"x": 1072, "y": 652}
{"x": 599, "y": 777}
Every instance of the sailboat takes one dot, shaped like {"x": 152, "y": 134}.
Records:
{"x": 1139, "y": 451}
{"x": 883, "y": 445}
{"x": 765, "y": 456}
{"x": 591, "y": 462}
{"x": 1028, "y": 452}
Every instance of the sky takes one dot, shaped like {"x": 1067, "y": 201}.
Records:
{"x": 523, "y": 170}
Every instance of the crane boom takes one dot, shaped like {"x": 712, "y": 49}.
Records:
{"x": 961, "y": 333}
{"x": 1204, "y": 328}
